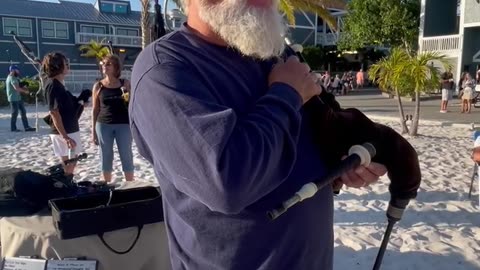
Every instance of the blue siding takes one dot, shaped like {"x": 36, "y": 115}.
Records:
{"x": 67, "y": 46}
{"x": 7, "y": 36}
{"x": 471, "y": 46}
{"x": 440, "y": 19}
{"x": 300, "y": 19}
{"x": 71, "y": 32}
{"x": 106, "y": 26}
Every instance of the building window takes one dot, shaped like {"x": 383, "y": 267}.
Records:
{"x": 127, "y": 32}
{"x": 119, "y": 8}
{"x": 21, "y": 27}
{"x": 107, "y": 7}
{"x": 54, "y": 29}
{"x": 114, "y": 8}
{"x": 92, "y": 29}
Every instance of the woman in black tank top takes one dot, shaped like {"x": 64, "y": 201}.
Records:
{"x": 110, "y": 118}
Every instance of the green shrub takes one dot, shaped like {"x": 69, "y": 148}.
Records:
{"x": 32, "y": 89}
{"x": 315, "y": 57}
{"x": 29, "y": 99}
{"x": 3, "y": 95}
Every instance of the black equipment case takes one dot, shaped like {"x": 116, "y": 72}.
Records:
{"x": 100, "y": 212}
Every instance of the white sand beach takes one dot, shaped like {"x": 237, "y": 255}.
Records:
{"x": 439, "y": 231}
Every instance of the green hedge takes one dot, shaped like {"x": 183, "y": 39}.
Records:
{"x": 29, "y": 99}
{"x": 315, "y": 57}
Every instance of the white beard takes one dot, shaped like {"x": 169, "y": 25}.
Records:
{"x": 254, "y": 31}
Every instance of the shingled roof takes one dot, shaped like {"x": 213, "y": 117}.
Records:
{"x": 66, "y": 10}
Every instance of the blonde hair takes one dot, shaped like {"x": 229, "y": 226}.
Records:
{"x": 116, "y": 64}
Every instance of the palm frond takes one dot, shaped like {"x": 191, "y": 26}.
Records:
{"x": 94, "y": 49}
{"x": 89, "y": 54}
{"x": 286, "y": 7}
{"x": 390, "y": 72}
{"x": 315, "y": 6}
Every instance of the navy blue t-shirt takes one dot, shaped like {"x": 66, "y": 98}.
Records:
{"x": 226, "y": 148}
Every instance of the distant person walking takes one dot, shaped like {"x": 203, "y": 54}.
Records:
{"x": 360, "y": 79}
{"x": 468, "y": 85}
{"x": 14, "y": 91}
{"x": 447, "y": 89}
{"x": 110, "y": 120}
{"x": 477, "y": 79}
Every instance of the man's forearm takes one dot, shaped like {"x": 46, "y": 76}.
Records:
{"x": 20, "y": 90}
{"x": 57, "y": 122}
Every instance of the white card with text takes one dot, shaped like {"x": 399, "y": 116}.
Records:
{"x": 13, "y": 263}
{"x": 71, "y": 265}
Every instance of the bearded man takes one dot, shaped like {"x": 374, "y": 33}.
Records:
{"x": 219, "y": 115}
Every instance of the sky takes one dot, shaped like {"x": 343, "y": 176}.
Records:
{"x": 135, "y": 4}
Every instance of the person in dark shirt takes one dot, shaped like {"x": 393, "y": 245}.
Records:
{"x": 219, "y": 114}
{"x": 65, "y": 133}
{"x": 447, "y": 89}
{"x": 110, "y": 118}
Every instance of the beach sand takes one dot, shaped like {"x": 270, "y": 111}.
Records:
{"x": 439, "y": 231}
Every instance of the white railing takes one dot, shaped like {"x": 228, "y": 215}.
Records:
{"x": 444, "y": 44}
{"x": 117, "y": 40}
{"x": 77, "y": 80}
{"x": 328, "y": 39}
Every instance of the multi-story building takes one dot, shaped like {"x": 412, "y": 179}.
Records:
{"x": 452, "y": 27}
{"x": 65, "y": 26}
{"x": 310, "y": 29}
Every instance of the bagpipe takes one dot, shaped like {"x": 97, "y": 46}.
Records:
{"x": 25, "y": 192}
{"x": 338, "y": 131}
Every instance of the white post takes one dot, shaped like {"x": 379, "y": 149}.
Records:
{"x": 422, "y": 25}
{"x": 316, "y": 29}
{"x": 460, "y": 42}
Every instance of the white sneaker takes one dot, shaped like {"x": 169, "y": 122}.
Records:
{"x": 443, "y": 111}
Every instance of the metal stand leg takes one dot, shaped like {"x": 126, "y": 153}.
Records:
{"x": 475, "y": 173}
{"x": 40, "y": 90}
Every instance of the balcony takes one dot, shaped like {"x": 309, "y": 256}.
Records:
{"x": 448, "y": 45}
{"x": 117, "y": 40}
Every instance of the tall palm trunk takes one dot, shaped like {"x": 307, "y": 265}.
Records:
{"x": 416, "y": 115}
{"x": 145, "y": 22}
{"x": 401, "y": 112}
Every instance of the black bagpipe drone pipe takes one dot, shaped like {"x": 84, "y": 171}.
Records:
{"x": 338, "y": 131}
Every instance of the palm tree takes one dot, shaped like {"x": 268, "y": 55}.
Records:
{"x": 408, "y": 73}
{"x": 385, "y": 74}
{"x": 95, "y": 50}
{"x": 145, "y": 22}
{"x": 424, "y": 76}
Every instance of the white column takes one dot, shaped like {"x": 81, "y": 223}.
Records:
{"x": 460, "y": 45}
{"x": 422, "y": 24}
